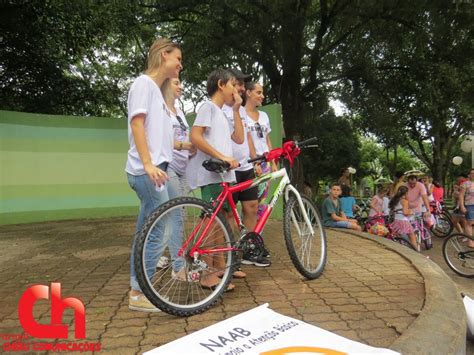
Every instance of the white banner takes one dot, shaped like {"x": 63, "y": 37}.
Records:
{"x": 266, "y": 332}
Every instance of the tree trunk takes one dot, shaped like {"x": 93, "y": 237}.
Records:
{"x": 395, "y": 160}
{"x": 292, "y": 109}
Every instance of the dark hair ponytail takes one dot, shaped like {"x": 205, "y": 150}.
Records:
{"x": 402, "y": 190}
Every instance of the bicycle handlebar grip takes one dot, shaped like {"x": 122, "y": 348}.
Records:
{"x": 260, "y": 157}
{"x": 307, "y": 142}
{"x": 215, "y": 165}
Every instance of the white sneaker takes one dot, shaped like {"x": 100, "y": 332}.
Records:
{"x": 163, "y": 262}
{"x": 140, "y": 303}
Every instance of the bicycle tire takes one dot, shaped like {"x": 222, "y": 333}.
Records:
{"x": 404, "y": 242}
{"x": 458, "y": 256}
{"x": 443, "y": 227}
{"x": 308, "y": 260}
{"x": 183, "y": 295}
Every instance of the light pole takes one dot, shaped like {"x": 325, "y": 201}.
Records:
{"x": 467, "y": 146}
{"x": 352, "y": 171}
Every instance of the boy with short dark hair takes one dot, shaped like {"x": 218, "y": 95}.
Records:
{"x": 212, "y": 136}
{"x": 333, "y": 216}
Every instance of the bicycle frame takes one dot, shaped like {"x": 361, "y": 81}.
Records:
{"x": 226, "y": 195}
{"x": 419, "y": 224}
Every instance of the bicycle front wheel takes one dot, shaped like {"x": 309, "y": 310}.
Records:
{"x": 427, "y": 241}
{"x": 404, "y": 242}
{"x": 443, "y": 226}
{"x": 307, "y": 251}
{"x": 188, "y": 284}
{"x": 458, "y": 255}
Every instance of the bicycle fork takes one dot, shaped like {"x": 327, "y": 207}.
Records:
{"x": 284, "y": 186}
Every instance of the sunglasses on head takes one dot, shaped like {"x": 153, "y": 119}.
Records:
{"x": 259, "y": 130}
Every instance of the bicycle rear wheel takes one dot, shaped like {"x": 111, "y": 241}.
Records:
{"x": 307, "y": 252}
{"x": 443, "y": 226}
{"x": 183, "y": 286}
{"x": 458, "y": 255}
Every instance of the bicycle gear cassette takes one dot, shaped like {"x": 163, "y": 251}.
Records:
{"x": 251, "y": 243}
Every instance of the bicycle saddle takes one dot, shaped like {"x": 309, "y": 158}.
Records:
{"x": 215, "y": 165}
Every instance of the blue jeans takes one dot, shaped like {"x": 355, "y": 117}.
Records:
{"x": 150, "y": 200}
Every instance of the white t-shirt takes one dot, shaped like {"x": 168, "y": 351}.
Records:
{"x": 217, "y": 134}
{"x": 145, "y": 97}
{"x": 385, "y": 208}
{"x": 259, "y": 131}
{"x": 399, "y": 216}
{"x": 240, "y": 152}
{"x": 181, "y": 134}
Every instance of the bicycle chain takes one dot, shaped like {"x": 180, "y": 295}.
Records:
{"x": 251, "y": 243}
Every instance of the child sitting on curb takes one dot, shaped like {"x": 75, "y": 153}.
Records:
{"x": 332, "y": 213}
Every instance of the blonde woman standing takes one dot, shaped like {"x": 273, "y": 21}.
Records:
{"x": 150, "y": 135}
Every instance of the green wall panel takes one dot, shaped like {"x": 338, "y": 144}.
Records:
{"x": 63, "y": 167}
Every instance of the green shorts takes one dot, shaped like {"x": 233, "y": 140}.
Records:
{"x": 211, "y": 192}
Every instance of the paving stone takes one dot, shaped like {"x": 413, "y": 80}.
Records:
{"x": 334, "y": 325}
{"x": 115, "y": 332}
{"x": 376, "y": 333}
{"x": 366, "y": 324}
{"x": 340, "y": 301}
{"x": 348, "y": 308}
{"x": 320, "y": 317}
{"x": 119, "y": 342}
{"x": 357, "y": 316}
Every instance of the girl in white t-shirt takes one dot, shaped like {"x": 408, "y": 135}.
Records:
{"x": 402, "y": 215}
{"x": 183, "y": 149}
{"x": 150, "y": 135}
{"x": 259, "y": 126}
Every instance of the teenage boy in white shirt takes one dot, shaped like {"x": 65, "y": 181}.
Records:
{"x": 212, "y": 137}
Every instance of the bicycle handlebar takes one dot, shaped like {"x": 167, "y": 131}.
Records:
{"x": 260, "y": 157}
{"x": 216, "y": 165}
{"x": 306, "y": 142}
{"x": 289, "y": 151}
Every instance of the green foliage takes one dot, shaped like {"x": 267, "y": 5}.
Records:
{"x": 404, "y": 69}
{"x": 338, "y": 145}
{"x": 412, "y": 86}
{"x": 376, "y": 163}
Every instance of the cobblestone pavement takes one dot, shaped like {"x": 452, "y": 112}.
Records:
{"x": 367, "y": 293}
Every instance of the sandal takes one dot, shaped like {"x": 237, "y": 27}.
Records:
{"x": 239, "y": 274}
{"x": 230, "y": 287}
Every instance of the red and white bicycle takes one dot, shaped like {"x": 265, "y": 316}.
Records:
{"x": 207, "y": 245}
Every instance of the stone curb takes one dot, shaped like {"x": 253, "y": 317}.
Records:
{"x": 441, "y": 326}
